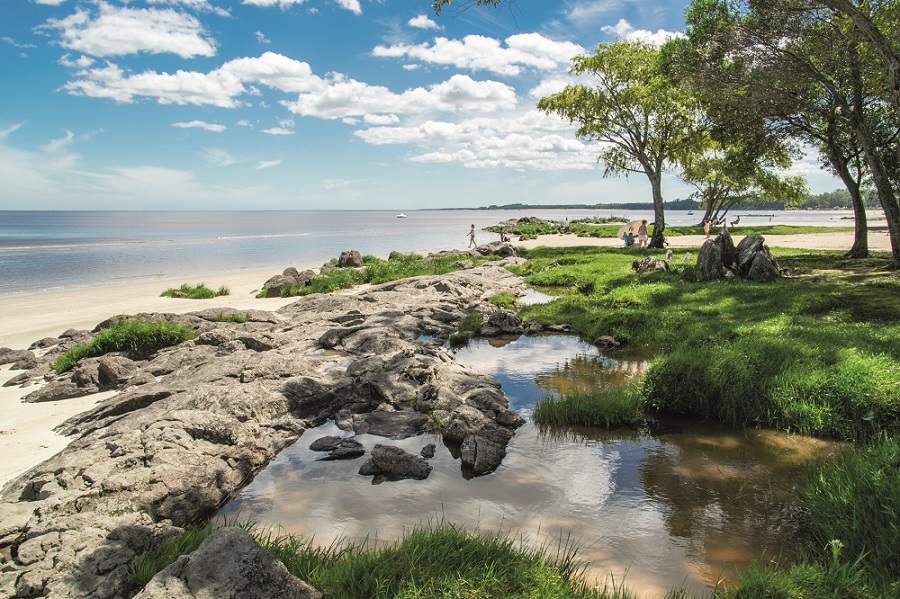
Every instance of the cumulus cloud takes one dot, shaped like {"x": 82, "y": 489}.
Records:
{"x": 82, "y": 62}
{"x": 347, "y": 97}
{"x": 351, "y": 5}
{"x": 263, "y": 164}
{"x": 381, "y": 119}
{"x": 278, "y": 131}
{"x": 261, "y": 38}
{"x": 531, "y": 141}
{"x": 423, "y": 22}
{"x": 624, "y": 30}
{"x": 212, "y": 127}
{"x": 49, "y": 2}
{"x": 477, "y": 52}
{"x": 117, "y": 31}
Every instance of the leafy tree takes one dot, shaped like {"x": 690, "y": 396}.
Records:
{"x": 803, "y": 70}
{"x": 726, "y": 176}
{"x": 642, "y": 122}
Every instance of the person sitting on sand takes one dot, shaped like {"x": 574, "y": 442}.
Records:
{"x": 628, "y": 238}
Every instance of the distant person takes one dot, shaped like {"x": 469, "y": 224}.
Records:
{"x": 472, "y": 237}
{"x": 642, "y": 234}
{"x": 628, "y": 238}
{"x": 706, "y": 227}
{"x": 736, "y": 221}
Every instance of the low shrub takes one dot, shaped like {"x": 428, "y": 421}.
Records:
{"x": 198, "y": 291}
{"x": 138, "y": 338}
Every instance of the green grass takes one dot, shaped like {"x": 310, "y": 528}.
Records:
{"x": 504, "y": 300}
{"x": 616, "y": 408}
{"x": 144, "y": 567}
{"x": 232, "y": 317}
{"x": 440, "y": 562}
{"x": 817, "y": 352}
{"x": 198, "y": 291}
{"x": 375, "y": 271}
{"x": 138, "y": 338}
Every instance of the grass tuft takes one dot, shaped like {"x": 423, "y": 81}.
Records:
{"x": 613, "y": 408}
{"x": 198, "y": 291}
{"x": 139, "y": 338}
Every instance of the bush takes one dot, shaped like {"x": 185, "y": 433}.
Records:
{"x": 198, "y": 291}
{"x": 138, "y": 338}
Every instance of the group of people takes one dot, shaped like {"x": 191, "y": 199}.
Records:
{"x": 642, "y": 238}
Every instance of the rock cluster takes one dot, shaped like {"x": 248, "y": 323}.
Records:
{"x": 191, "y": 425}
{"x": 719, "y": 259}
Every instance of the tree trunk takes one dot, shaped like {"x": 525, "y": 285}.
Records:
{"x": 659, "y": 225}
{"x": 885, "y": 192}
{"x": 860, "y": 247}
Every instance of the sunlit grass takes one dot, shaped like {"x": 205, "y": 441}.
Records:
{"x": 198, "y": 291}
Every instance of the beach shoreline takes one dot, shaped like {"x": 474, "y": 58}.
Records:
{"x": 26, "y": 432}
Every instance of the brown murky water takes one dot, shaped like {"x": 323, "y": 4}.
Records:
{"x": 690, "y": 505}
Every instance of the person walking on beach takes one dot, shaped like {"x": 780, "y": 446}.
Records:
{"x": 642, "y": 234}
{"x": 472, "y": 237}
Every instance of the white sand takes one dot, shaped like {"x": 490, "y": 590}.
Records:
{"x": 26, "y": 429}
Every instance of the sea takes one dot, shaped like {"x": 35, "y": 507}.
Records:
{"x": 44, "y": 251}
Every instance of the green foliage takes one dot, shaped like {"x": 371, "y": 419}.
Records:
{"x": 854, "y": 498}
{"x": 231, "y": 317}
{"x": 136, "y": 337}
{"x": 504, "y": 300}
{"x": 440, "y": 562}
{"x": 616, "y": 408}
{"x": 147, "y": 565}
{"x": 817, "y": 353}
{"x": 471, "y": 322}
{"x": 198, "y": 291}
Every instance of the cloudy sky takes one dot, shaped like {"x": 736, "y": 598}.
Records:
{"x": 304, "y": 104}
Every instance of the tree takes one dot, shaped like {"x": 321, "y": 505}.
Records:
{"x": 726, "y": 176}
{"x": 642, "y": 122}
{"x": 802, "y": 69}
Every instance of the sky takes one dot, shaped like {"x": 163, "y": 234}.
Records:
{"x": 307, "y": 104}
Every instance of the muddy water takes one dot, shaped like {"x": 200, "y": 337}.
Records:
{"x": 689, "y": 505}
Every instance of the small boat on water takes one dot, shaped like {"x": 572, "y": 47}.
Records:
{"x": 690, "y": 213}
{"x": 401, "y": 215}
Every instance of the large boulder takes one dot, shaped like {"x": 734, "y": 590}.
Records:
{"x": 229, "y": 564}
{"x": 10, "y": 356}
{"x": 649, "y": 264}
{"x": 395, "y": 463}
{"x": 350, "y": 259}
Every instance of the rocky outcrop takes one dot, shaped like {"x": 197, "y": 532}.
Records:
{"x": 191, "y": 425}
{"x": 229, "y": 564}
{"x": 10, "y": 356}
{"x": 290, "y": 278}
{"x": 350, "y": 259}
{"x": 719, "y": 259}
{"x": 649, "y": 264}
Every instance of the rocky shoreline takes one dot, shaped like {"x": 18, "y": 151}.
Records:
{"x": 193, "y": 424}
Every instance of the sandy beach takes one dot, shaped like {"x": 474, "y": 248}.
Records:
{"x": 26, "y": 431}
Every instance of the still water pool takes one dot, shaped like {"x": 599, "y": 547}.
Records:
{"x": 688, "y": 505}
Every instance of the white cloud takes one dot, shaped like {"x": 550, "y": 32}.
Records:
{"x": 117, "y": 31}
{"x": 278, "y": 131}
{"x": 82, "y": 62}
{"x": 197, "y": 5}
{"x": 530, "y": 141}
{"x": 347, "y": 97}
{"x": 12, "y": 42}
{"x": 423, "y": 22}
{"x": 244, "y": 123}
{"x": 263, "y": 164}
{"x": 381, "y": 119}
{"x": 261, "y": 38}
{"x": 218, "y": 157}
{"x": 212, "y": 127}
{"x": 623, "y": 30}
{"x": 49, "y": 2}
{"x": 57, "y": 145}
{"x": 351, "y": 5}
{"x": 477, "y": 52}
{"x": 4, "y": 133}
{"x": 412, "y": 67}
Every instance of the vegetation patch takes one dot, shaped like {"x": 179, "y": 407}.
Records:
{"x": 136, "y": 337}
{"x": 504, "y": 300}
{"x": 440, "y": 562}
{"x": 147, "y": 565}
{"x": 198, "y": 291}
{"x": 231, "y": 317}
{"x": 609, "y": 409}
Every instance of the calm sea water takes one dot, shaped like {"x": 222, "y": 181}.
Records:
{"x": 47, "y": 251}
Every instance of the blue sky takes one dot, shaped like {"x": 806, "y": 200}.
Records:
{"x": 305, "y": 104}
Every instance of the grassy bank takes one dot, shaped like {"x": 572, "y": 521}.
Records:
{"x": 817, "y": 352}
